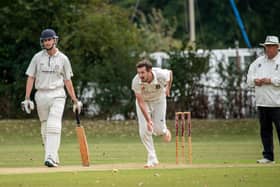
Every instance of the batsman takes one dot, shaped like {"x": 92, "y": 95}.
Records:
{"x": 51, "y": 70}
{"x": 151, "y": 86}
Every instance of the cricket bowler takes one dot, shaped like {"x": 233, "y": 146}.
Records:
{"x": 151, "y": 86}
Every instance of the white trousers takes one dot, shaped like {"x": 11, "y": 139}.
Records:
{"x": 50, "y": 106}
{"x": 157, "y": 112}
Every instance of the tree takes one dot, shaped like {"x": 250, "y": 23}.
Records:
{"x": 216, "y": 25}
{"x": 157, "y": 32}
{"x": 187, "y": 93}
{"x": 234, "y": 96}
{"x": 104, "y": 48}
{"x": 22, "y": 21}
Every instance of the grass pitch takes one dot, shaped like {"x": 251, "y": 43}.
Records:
{"x": 233, "y": 145}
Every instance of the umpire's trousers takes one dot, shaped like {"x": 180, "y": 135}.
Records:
{"x": 267, "y": 116}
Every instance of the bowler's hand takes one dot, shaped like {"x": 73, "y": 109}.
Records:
{"x": 167, "y": 92}
{"x": 150, "y": 126}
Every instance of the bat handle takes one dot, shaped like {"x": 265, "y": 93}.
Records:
{"x": 77, "y": 118}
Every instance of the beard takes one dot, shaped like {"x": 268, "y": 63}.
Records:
{"x": 143, "y": 79}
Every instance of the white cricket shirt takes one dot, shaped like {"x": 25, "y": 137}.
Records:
{"x": 49, "y": 71}
{"x": 156, "y": 89}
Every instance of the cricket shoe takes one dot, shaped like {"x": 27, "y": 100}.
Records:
{"x": 50, "y": 163}
{"x": 151, "y": 164}
{"x": 167, "y": 137}
{"x": 265, "y": 161}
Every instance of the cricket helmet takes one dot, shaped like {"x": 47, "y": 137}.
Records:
{"x": 48, "y": 33}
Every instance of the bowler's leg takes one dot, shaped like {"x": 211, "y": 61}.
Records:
{"x": 146, "y": 138}
{"x": 159, "y": 119}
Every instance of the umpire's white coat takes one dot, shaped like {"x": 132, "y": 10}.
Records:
{"x": 262, "y": 67}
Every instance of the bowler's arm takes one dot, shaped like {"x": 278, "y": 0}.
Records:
{"x": 144, "y": 110}
{"x": 169, "y": 83}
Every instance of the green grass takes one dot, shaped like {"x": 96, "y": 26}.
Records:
{"x": 235, "y": 177}
{"x": 214, "y": 142}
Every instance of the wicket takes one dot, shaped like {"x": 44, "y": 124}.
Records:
{"x": 183, "y": 124}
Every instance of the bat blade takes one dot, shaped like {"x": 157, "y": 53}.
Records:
{"x": 82, "y": 140}
{"x": 83, "y": 145}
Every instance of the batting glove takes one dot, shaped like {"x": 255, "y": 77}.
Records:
{"x": 77, "y": 106}
{"x": 27, "y": 105}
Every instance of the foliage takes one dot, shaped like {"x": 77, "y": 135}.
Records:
{"x": 188, "y": 67}
{"x": 22, "y": 21}
{"x": 233, "y": 85}
{"x": 257, "y": 20}
{"x": 99, "y": 39}
{"x": 103, "y": 44}
{"x": 103, "y": 48}
{"x": 157, "y": 31}
{"x": 216, "y": 26}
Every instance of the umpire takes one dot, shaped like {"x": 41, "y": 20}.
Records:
{"x": 264, "y": 76}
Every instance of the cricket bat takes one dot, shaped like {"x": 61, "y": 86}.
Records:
{"x": 82, "y": 140}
